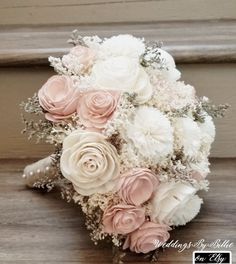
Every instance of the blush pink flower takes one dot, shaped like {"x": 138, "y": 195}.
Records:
{"x": 196, "y": 175}
{"x": 58, "y": 98}
{"x": 137, "y": 186}
{"x": 85, "y": 56}
{"x": 123, "y": 219}
{"x": 147, "y": 238}
{"x": 95, "y": 108}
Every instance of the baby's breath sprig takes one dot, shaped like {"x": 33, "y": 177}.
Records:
{"x": 152, "y": 56}
{"x": 67, "y": 190}
{"x": 213, "y": 110}
{"x": 153, "y": 255}
{"x": 154, "y": 44}
{"x": 32, "y": 105}
{"x": 198, "y": 114}
{"x": 118, "y": 255}
{"x": 40, "y": 129}
{"x": 182, "y": 112}
{"x": 76, "y": 38}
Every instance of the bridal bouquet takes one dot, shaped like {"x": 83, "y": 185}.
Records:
{"x": 131, "y": 140}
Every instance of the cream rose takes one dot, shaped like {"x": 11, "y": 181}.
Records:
{"x": 147, "y": 238}
{"x": 175, "y": 203}
{"x": 123, "y": 74}
{"x": 89, "y": 162}
{"x": 58, "y": 98}
{"x": 137, "y": 186}
{"x": 123, "y": 219}
{"x": 95, "y": 108}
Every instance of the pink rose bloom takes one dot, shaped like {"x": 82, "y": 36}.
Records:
{"x": 58, "y": 98}
{"x": 147, "y": 238}
{"x": 95, "y": 108}
{"x": 123, "y": 219}
{"x": 137, "y": 186}
{"x": 85, "y": 56}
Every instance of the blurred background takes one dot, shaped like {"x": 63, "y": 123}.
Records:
{"x": 200, "y": 34}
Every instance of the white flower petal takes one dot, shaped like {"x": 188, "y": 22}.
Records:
{"x": 189, "y": 135}
{"x": 122, "y": 45}
{"x": 175, "y": 203}
{"x": 187, "y": 211}
{"x": 123, "y": 74}
{"x": 171, "y": 72}
{"x": 207, "y": 130}
{"x": 151, "y": 133}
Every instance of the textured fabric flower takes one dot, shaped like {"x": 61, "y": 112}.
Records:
{"x": 123, "y": 219}
{"x": 123, "y": 74}
{"x": 89, "y": 162}
{"x": 95, "y": 108}
{"x": 122, "y": 45}
{"x": 188, "y": 135}
{"x": 187, "y": 211}
{"x": 80, "y": 56}
{"x": 175, "y": 203}
{"x": 58, "y": 98}
{"x": 170, "y": 72}
{"x": 169, "y": 95}
{"x": 199, "y": 170}
{"x": 207, "y": 133}
{"x": 151, "y": 133}
{"x": 147, "y": 238}
{"x": 136, "y": 186}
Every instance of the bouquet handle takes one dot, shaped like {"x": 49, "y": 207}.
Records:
{"x": 40, "y": 173}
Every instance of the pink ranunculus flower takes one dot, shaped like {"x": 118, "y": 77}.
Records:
{"x": 123, "y": 219}
{"x": 85, "y": 55}
{"x": 137, "y": 186}
{"x": 58, "y": 98}
{"x": 147, "y": 238}
{"x": 95, "y": 108}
